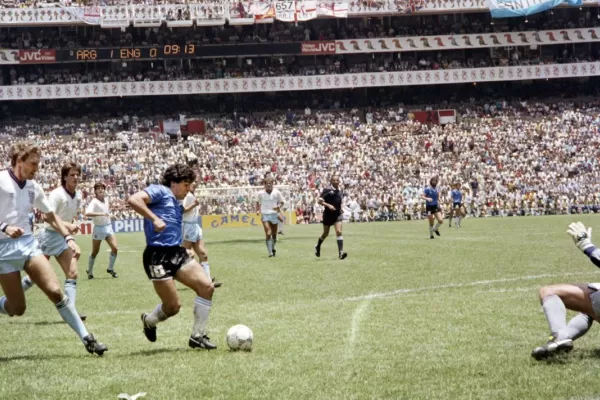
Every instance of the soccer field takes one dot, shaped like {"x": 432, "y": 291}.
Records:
{"x": 403, "y": 317}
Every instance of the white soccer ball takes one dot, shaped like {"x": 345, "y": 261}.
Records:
{"x": 240, "y": 337}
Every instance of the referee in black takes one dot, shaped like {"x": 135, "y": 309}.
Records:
{"x": 331, "y": 199}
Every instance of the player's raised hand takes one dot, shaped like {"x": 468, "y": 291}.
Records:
{"x": 14, "y": 232}
{"x": 581, "y": 235}
{"x": 159, "y": 225}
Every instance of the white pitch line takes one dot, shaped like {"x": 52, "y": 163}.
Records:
{"x": 354, "y": 328}
{"x": 457, "y": 285}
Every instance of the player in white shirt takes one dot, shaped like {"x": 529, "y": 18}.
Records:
{"x": 192, "y": 232}
{"x": 99, "y": 211}
{"x": 269, "y": 203}
{"x": 65, "y": 201}
{"x": 19, "y": 251}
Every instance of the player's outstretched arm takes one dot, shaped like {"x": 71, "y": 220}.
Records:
{"x": 582, "y": 237}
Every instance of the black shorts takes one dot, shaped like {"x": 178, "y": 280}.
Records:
{"x": 457, "y": 205}
{"x": 431, "y": 210}
{"x": 329, "y": 220}
{"x": 161, "y": 263}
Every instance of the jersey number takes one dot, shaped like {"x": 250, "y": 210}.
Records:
{"x": 157, "y": 271}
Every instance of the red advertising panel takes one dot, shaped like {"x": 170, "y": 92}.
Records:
{"x": 42, "y": 56}
{"x": 318, "y": 47}
{"x": 424, "y": 117}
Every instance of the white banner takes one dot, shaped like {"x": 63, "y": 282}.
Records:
{"x": 8, "y": 56}
{"x": 295, "y": 11}
{"x": 337, "y": 9}
{"x": 293, "y": 83}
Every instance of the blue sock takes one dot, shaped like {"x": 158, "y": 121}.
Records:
{"x": 71, "y": 290}
{"x": 206, "y": 268}
{"x": 26, "y": 283}
{"x": 111, "y": 263}
{"x": 69, "y": 314}
{"x": 2, "y": 309}
{"x": 91, "y": 262}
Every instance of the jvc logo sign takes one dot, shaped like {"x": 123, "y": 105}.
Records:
{"x": 318, "y": 47}
{"x": 37, "y": 56}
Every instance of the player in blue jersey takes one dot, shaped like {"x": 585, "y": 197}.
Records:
{"x": 165, "y": 259}
{"x": 431, "y": 196}
{"x": 458, "y": 208}
{"x": 581, "y": 297}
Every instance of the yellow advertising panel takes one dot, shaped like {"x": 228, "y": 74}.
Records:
{"x": 236, "y": 221}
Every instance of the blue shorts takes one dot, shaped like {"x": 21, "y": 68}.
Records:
{"x": 14, "y": 253}
{"x": 272, "y": 218}
{"x": 192, "y": 232}
{"x": 102, "y": 232}
{"x": 52, "y": 243}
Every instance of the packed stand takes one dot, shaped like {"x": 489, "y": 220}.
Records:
{"x": 527, "y": 159}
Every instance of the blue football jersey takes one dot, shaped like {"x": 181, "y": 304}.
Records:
{"x": 166, "y": 207}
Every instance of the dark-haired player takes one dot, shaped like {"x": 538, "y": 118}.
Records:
{"x": 431, "y": 196}
{"x": 165, "y": 259}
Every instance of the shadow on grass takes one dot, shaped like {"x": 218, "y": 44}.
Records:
{"x": 574, "y": 356}
{"x": 35, "y": 357}
{"x": 152, "y": 352}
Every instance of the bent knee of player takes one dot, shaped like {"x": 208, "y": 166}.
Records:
{"x": 205, "y": 289}
{"x": 561, "y": 290}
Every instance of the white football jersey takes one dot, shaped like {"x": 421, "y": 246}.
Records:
{"x": 18, "y": 199}
{"x": 192, "y": 215}
{"x": 64, "y": 204}
{"x": 268, "y": 201}
{"x": 99, "y": 207}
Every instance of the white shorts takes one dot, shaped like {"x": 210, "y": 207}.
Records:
{"x": 14, "y": 253}
{"x": 272, "y": 218}
{"x": 192, "y": 232}
{"x": 102, "y": 232}
{"x": 52, "y": 243}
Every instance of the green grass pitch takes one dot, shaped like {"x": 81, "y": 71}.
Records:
{"x": 403, "y": 317}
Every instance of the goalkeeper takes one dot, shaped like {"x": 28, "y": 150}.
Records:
{"x": 581, "y": 297}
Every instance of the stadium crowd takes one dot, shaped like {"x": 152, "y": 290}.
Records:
{"x": 52, "y": 38}
{"x": 299, "y": 66}
{"x": 509, "y": 159}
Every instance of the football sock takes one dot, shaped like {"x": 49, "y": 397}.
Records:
{"x": 26, "y": 283}
{"x": 269, "y": 246}
{"x": 436, "y": 227}
{"x": 111, "y": 262}
{"x": 340, "y": 243}
{"x": 576, "y": 328}
{"x": 91, "y": 261}
{"x": 2, "y": 309}
{"x": 206, "y": 268}
{"x": 556, "y": 313}
{"x": 68, "y": 313}
{"x": 71, "y": 289}
{"x": 201, "y": 310}
{"x": 155, "y": 316}
{"x": 320, "y": 242}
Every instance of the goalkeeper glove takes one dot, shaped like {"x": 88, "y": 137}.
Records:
{"x": 581, "y": 236}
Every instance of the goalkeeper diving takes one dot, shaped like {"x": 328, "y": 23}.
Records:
{"x": 581, "y": 297}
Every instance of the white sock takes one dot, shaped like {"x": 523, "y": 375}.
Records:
{"x": 206, "y": 268}
{"x": 156, "y": 316}
{"x": 26, "y": 283}
{"x": 436, "y": 227}
{"x": 201, "y": 310}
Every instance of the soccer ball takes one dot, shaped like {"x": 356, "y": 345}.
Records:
{"x": 240, "y": 337}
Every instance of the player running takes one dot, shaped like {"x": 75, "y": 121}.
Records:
{"x": 431, "y": 196}
{"x": 331, "y": 199}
